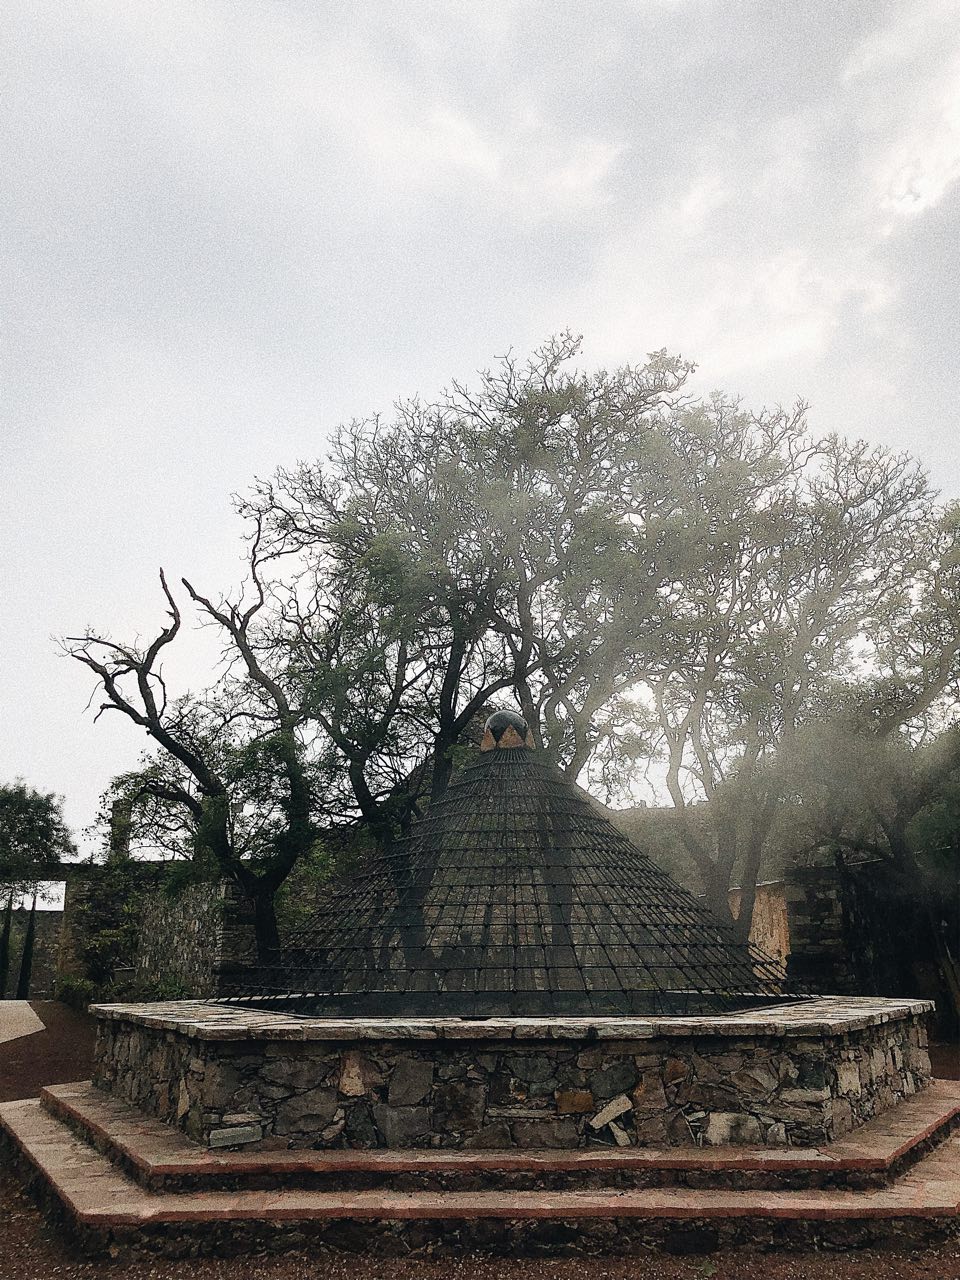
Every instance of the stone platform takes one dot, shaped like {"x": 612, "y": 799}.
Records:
{"x": 117, "y": 1180}
{"x": 791, "y": 1075}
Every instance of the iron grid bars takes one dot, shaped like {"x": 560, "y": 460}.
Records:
{"x": 512, "y": 896}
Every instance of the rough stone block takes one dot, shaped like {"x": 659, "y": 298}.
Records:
{"x": 757, "y": 1080}
{"x": 574, "y": 1101}
{"x": 620, "y": 1136}
{"x": 649, "y": 1095}
{"x": 459, "y": 1105}
{"x": 313, "y": 1109}
{"x": 411, "y": 1081}
{"x": 615, "y": 1078}
{"x": 724, "y": 1126}
{"x": 674, "y": 1070}
{"x": 491, "y": 1137}
{"x": 545, "y": 1133}
{"x": 841, "y": 1114}
{"x": 183, "y": 1100}
{"x": 719, "y": 1097}
{"x": 357, "y": 1075}
{"x": 359, "y": 1129}
{"x": 532, "y": 1067}
{"x": 235, "y": 1137}
{"x": 848, "y": 1079}
{"x": 804, "y": 1097}
{"x": 403, "y": 1126}
{"x": 705, "y": 1069}
{"x": 615, "y": 1108}
{"x": 652, "y": 1131}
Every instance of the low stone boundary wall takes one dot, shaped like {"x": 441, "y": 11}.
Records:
{"x": 798, "y": 1075}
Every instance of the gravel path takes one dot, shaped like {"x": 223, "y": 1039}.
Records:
{"x": 17, "y": 1019}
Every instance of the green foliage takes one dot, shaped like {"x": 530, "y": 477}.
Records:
{"x": 935, "y": 832}
{"x": 76, "y": 992}
{"x": 201, "y": 868}
{"x": 166, "y": 987}
{"x": 33, "y": 834}
{"x": 296, "y": 899}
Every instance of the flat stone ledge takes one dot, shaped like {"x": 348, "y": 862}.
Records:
{"x": 823, "y": 1016}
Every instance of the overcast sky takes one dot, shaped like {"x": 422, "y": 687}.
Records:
{"x": 227, "y": 226}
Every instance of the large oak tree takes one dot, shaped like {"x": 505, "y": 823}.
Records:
{"x": 649, "y": 577}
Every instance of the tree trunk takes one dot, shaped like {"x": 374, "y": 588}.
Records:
{"x": 442, "y": 768}
{"x": 26, "y": 959}
{"x": 265, "y": 925}
{"x": 716, "y": 893}
{"x": 5, "y": 946}
{"x": 748, "y": 886}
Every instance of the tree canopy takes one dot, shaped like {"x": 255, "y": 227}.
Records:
{"x": 34, "y": 837}
{"x": 672, "y": 590}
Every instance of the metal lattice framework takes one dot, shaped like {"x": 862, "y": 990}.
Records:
{"x": 513, "y": 896}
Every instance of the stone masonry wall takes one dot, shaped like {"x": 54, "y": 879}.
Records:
{"x": 825, "y": 953}
{"x": 180, "y": 941}
{"x": 490, "y": 1093}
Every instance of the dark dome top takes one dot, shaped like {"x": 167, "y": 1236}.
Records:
{"x": 512, "y": 896}
{"x": 501, "y": 720}
{"x": 505, "y": 729}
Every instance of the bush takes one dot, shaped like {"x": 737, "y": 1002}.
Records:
{"x": 76, "y": 992}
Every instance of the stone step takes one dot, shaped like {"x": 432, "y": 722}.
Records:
{"x": 106, "y": 1210}
{"x": 160, "y": 1157}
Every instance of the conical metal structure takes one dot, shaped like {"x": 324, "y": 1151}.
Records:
{"x": 513, "y": 896}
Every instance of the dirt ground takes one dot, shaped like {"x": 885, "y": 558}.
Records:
{"x": 61, "y": 1052}
{"x": 30, "y": 1250}
{"x": 945, "y": 1060}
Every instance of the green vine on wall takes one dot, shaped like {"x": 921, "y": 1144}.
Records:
{"x": 105, "y": 927}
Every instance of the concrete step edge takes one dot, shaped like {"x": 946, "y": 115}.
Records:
{"x": 149, "y": 1149}
{"x": 97, "y": 1195}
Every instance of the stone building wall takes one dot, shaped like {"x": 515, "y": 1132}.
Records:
{"x": 770, "y": 923}
{"x": 92, "y": 902}
{"x": 828, "y": 952}
{"x": 179, "y": 948}
{"x": 853, "y": 931}
{"x": 774, "y": 1087}
{"x": 182, "y": 943}
{"x": 191, "y": 942}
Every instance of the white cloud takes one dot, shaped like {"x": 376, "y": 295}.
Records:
{"x": 703, "y": 199}
{"x": 923, "y": 165}
{"x": 231, "y": 225}
{"x": 907, "y": 77}
{"x": 576, "y": 179}
{"x": 744, "y": 313}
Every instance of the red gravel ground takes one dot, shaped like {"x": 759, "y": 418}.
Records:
{"x": 62, "y": 1052}
{"x": 29, "y": 1250}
